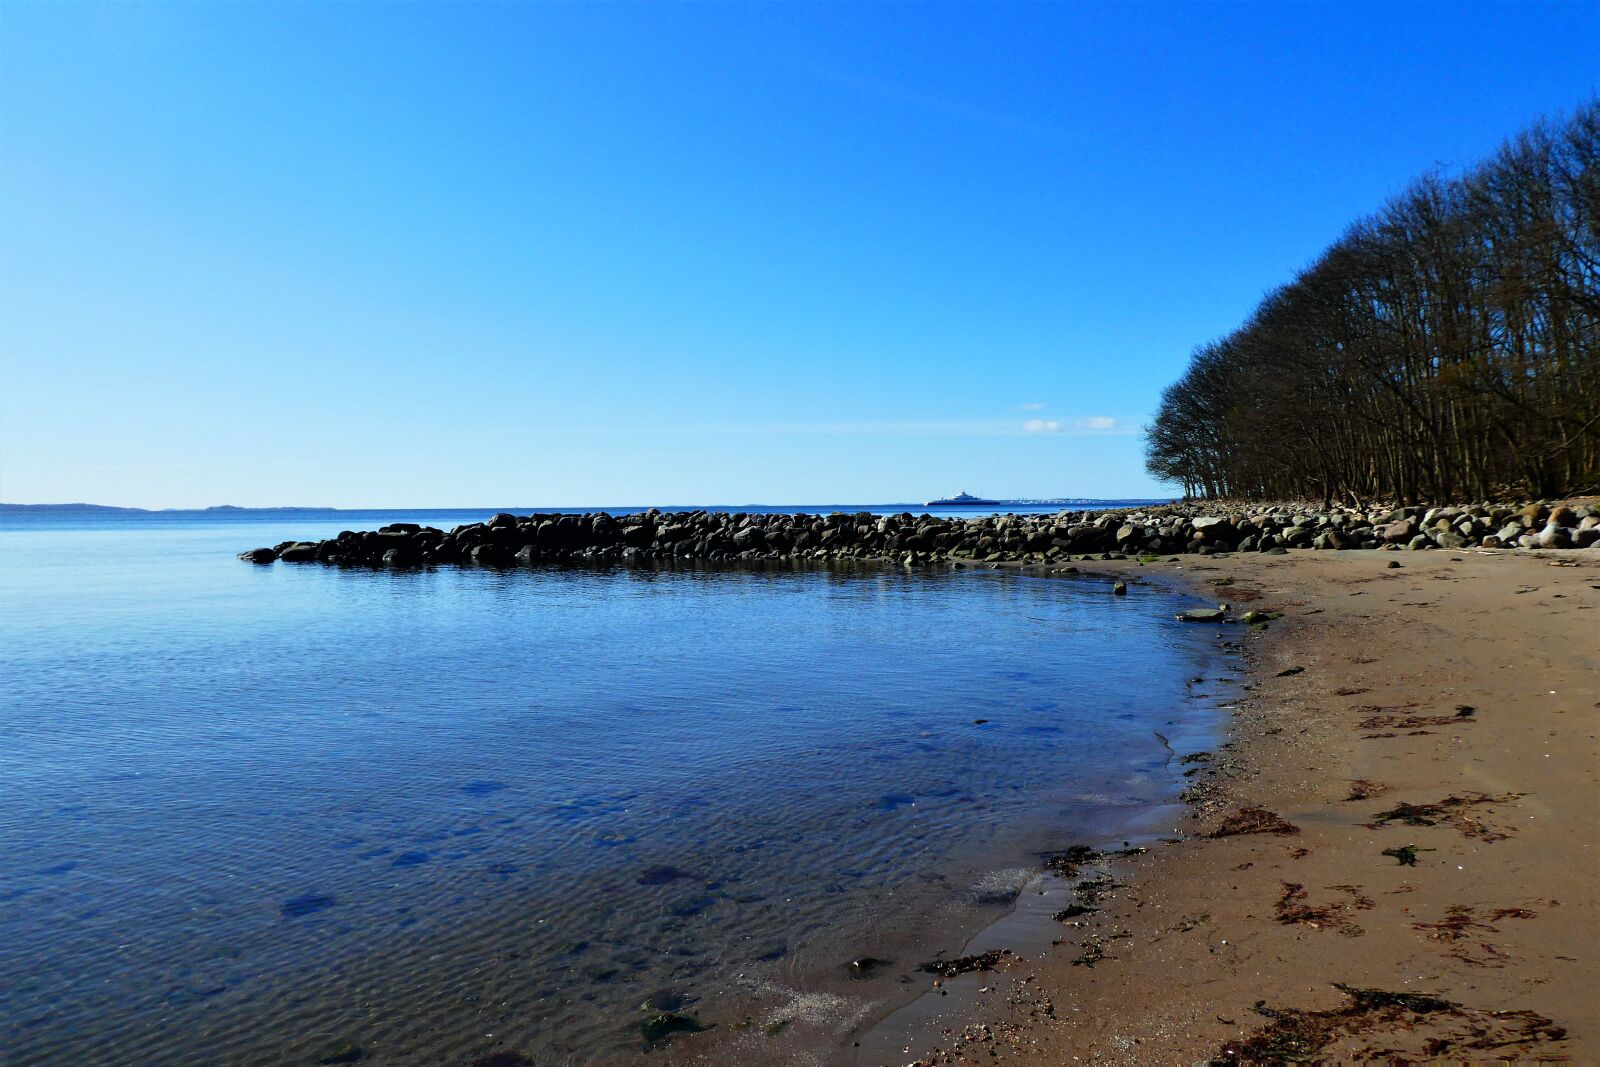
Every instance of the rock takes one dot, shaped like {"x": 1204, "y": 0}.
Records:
{"x": 489, "y": 555}
{"x": 664, "y": 1024}
{"x": 1397, "y": 532}
{"x": 1204, "y": 614}
{"x": 1119, "y": 589}
{"x": 1555, "y": 536}
{"x": 342, "y": 1052}
{"x": 912, "y": 540}
{"x": 864, "y": 966}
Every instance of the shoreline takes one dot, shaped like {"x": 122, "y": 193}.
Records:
{"x": 841, "y": 1016}
{"x": 1458, "y": 684}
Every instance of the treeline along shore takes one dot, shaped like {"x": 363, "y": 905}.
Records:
{"x": 1445, "y": 348}
{"x": 510, "y": 540}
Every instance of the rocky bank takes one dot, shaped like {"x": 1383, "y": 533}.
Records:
{"x": 510, "y": 540}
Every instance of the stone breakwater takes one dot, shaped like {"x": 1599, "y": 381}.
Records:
{"x": 510, "y": 540}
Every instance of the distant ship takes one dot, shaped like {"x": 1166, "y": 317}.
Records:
{"x": 963, "y": 500}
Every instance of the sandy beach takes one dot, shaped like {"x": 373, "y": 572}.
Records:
{"x": 1393, "y": 855}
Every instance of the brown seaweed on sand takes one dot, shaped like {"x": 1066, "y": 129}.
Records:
{"x": 1395, "y": 1026}
{"x": 1066, "y": 862}
{"x": 1457, "y": 812}
{"x": 1379, "y": 717}
{"x": 1292, "y": 909}
{"x": 1462, "y": 929}
{"x": 1361, "y": 789}
{"x": 1253, "y": 821}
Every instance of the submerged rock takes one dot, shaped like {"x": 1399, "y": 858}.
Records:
{"x": 342, "y": 1052}
{"x": 663, "y": 1025}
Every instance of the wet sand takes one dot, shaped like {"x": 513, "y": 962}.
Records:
{"x": 1423, "y": 741}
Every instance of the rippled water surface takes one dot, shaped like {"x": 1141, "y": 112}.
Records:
{"x": 277, "y": 814}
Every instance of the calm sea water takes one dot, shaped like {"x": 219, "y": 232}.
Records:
{"x": 270, "y": 814}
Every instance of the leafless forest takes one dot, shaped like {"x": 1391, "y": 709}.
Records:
{"x": 1446, "y": 348}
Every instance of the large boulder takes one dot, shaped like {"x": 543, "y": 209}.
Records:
{"x": 1398, "y": 532}
{"x": 1212, "y": 529}
{"x": 490, "y": 555}
{"x": 1554, "y": 535}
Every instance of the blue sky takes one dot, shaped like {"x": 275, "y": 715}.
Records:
{"x": 414, "y": 255}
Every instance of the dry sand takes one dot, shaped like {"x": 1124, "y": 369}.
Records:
{"x": 1465, "y": 684}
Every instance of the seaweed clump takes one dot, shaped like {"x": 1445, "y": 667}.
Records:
{"x": 1293, "y": 1035}
{"x": 1292, "y": 909}
{"x": 1456, "y": 812}
{"x": 1253, "y": 821}
{"x": 1066, "y": 862}
{"x": 1406, "y": 855}
{"x": 1462, "y": 929}
{"x": 983, "y": 961}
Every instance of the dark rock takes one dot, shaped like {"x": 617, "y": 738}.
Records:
{"x": 865, "y": 966}
{"x": 343, "y": 1052}
{"x": 307, "y": 904}
{"x": 667, "y": 1024}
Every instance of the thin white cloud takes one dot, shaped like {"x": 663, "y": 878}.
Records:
{"x": 1030, "y": 407}
{"x": 1082, "y": 426}
{"x": 948, "y": 106}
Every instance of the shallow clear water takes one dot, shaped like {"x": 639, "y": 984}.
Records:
{"x": 250, "y": 813}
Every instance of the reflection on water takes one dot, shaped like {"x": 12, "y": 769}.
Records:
{"x": 268, "y": 815}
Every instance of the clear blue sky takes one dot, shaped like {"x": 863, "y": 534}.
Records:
{"x": 411, "y": 255}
